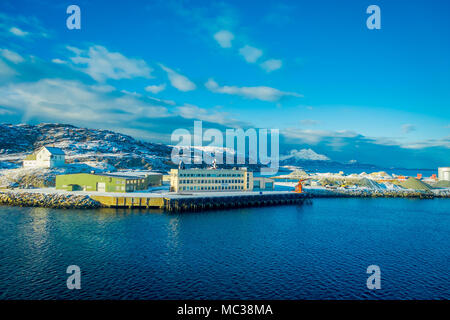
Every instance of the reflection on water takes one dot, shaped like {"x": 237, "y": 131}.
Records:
{"x": 318, "y": 251}
{"x": 39, "y": 222}
{"x": 172, "y": 235}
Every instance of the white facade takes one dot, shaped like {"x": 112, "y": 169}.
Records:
{"x": 202, "y": 180}
{"x": 444, "y": 173}
{"x": 45, "y": 157}
{"x": 217, "y": 180}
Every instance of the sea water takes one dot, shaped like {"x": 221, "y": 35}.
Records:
{"x": 317, "y": 251}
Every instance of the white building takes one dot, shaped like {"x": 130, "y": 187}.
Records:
{"x": 215, "y": 180}
{"x": 45, "y": 157}
{"x": 444, "y": 173}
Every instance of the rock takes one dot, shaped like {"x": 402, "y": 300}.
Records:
{"x": 26, "y": 199}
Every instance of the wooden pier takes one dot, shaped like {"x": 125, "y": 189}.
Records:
{"x": 192, "y": 202}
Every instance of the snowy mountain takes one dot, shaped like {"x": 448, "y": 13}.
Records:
{"x": 305, "y": 154}
{"x": 311, "y": 161}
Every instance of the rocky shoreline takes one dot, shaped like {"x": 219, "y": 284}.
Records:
{"x": 73, "y": 201}
{"x": 55, "y": 201}
{"x": 418, "y": 194}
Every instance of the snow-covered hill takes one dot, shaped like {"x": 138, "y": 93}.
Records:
{"x": 81, "y": 145}
{"x": 305, "y": 154}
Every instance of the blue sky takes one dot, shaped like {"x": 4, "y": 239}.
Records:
{"x": 309, "y": 68}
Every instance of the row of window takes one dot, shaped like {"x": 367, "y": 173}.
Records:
{"x": 129, "y": 181}
{"x": 187, "y": 181}
{"x": 211, "y": 174}
{"x": 206, "y": 188}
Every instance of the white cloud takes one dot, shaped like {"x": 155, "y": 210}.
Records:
{"x": 429, "y": 143}
{"x": 315, "y": 136}
{"x": 189, "y": 111}
{"x": 407, "y": 128}
{"x": 250, "y": 54}
{"x": 261, "y": 93}
{"x": 11, "y": 56}
{"x": 102, "y": 64}
{"x": 224, "y": 38}
{"x": 6, "y": 71}
{"x": 73, "y": 101}
{"x": 156, "y": 88}
{"x": 179, "y": 81}
{"x": 16, "y": 31}
{"x": 58, "y": 61}
{"x": 271, "y": 65}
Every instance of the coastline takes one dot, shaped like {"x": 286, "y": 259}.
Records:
{"x": 55, "y": 201}
{"x": 68, "y": 200}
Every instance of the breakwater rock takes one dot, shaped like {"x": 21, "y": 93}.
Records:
{"x": 60, "y": 201}
{"x": 367, "y": 193}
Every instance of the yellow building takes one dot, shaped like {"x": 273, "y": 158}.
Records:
{"x": 216, "y": 180}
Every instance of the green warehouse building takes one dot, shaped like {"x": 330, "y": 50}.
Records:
{"x": 107, "y": 182}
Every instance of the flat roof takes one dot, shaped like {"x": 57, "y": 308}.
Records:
{"x": 125, "y": 175}
{"x": 132, "y": 173}
{"x": 210, "y": 169}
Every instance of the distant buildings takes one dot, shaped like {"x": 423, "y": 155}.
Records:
{"x": 444, "y": 173}
{"x": 45, "y": 157}
{"x": 216, "y": 180}
{"x": 108, "y": 182}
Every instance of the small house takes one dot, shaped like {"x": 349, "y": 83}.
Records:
{"x": 45, "y": 157}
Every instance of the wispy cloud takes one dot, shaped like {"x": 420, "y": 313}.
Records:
{"x": 407, "y": 128}
{"x": 189, "y": 111}
{"x": 261, "y": 92}
{"x": 58, "y": 61}
{"x": 68, "y": 100}
{"x": 12, "y": 56}
{"x": 6, "y": 71}
{"x": 178, "y": 81}
{"x": 18, "y": 32}
{"x": 316, "y": 136}
{"x": 25, "y": 27}
{"x": 155, "y": 88}
{"x": 250, "y": 54}
{"x": 271, "y": 65}
{"x": 428, "y": 143}
{"x": 224, "y": 38}
{"x": 102, "y": 64}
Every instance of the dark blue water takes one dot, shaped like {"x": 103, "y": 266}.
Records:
{"x": 318, "y": 251}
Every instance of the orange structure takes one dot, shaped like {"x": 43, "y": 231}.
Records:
{"x": 299, "y": 186}
{"x": 419, "y": 176}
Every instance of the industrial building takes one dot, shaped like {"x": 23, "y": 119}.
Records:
{"x": 444, "y": 174}
{"x": 108, "y": 182}
{"x": 215, "y": 180}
